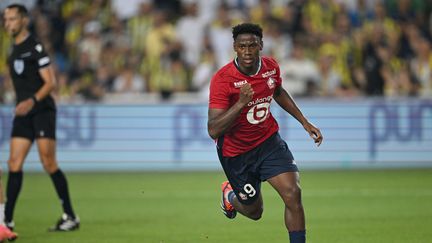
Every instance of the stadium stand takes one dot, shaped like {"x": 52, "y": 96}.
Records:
{"x": 104, "y": 50}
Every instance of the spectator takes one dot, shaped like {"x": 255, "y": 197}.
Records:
{"x": 330, "y": 82}
{"x": 139, "y": 25}
{"x": 126, "y": 10}
{"x": 161, "y": 40}
{"x": 190, "y": 32}
{"x": 221, "y": 37}
{"x": 374, "y": 62}
{"x": 91, "y": 44}
{"x": 298, "y": 70}
{"x": 166, "y": 39}
{"x": 277, "y": 44}
{"x": 129, "y": 81}
{"x": 421, "y": 67}
{"x": 360, "y": 14}
{"x": 205, "y": 69}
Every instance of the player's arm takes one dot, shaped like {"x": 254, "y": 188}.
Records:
{"x": 47, "y": 74}
{"x": 220, "y": 120}
{"x": 285, "y": 100}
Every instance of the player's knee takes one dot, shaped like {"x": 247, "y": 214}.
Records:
{"x": 46, "y": 156}
{"x": 49, "y": 165}
{"x": 14, "y": 164}
{"x": 256, "y": 213}
{"x": 257, "y": 216}
{"x": 292, "y": 196}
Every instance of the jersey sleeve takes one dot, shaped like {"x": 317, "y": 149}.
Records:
{"x": 278, "y": 74}
{"x": 219, "y": 93}
{"x": 41, "y": 57}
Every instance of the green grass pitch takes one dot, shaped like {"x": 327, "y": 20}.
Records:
{"x": 341, "y": 206}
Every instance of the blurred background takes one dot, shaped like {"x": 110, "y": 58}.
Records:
{"x": 133, "y": 78}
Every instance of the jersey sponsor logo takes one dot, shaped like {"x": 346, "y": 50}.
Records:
{"x": 18, "y": 66}
{"x": 261, "y": 100}
{"x": 271, "y": 83}
{"x": 260, "y": 110}
{"x": 258, "y": 113}
{"x": 269, "y": 73}
{"x": 239, "y": 84}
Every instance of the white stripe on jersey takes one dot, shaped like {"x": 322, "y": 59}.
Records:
{"x": 43, "y": 61}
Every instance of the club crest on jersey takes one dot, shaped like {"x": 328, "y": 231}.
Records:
{"x": 271, "y": 83}
{"x": 239, "y": 84}
{"x": 18, "y": 66}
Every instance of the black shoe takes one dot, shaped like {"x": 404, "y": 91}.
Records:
{"x": 66, "y": 223}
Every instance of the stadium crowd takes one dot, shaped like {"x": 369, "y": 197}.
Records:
{"x": 326, "y": 48}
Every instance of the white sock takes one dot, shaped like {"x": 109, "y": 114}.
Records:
{"x": 2, "y": 213}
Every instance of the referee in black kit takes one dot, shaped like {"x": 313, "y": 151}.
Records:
{"x": 35, "y": 116}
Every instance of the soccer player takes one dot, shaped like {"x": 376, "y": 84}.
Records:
{"x": 249, "y": 146}
{"x": 35, "y": 116}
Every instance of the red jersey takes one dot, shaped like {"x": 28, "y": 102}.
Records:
{"x": 255, "y": 123}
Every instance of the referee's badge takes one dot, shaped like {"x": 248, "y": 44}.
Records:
{"x": 19, "y": 66}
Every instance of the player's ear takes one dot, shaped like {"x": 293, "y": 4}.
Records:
{"x": 261, "y": 45}
{"x": 26, "y": 20}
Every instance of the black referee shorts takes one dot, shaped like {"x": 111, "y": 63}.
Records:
{"x": 245, "y": 172}
{"x": 40, "y": 124}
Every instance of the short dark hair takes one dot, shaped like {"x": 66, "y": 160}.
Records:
{"x": 247, "y": 28}
{"x": 21, "y": 9}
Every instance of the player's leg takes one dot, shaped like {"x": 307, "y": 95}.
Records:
{"x": 243, "y": 191}
{"x": 19, "y": 148}
{"x": 47, "y": 153}
{"x": 2, "y": 201}
{"x": 288, "y": 186}
{"x": 280, "y": 170}
{"x": 5, "y": 232}
{"x": 253, "y": 210}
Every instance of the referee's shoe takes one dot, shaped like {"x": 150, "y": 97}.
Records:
{"x": 66, "y": 223}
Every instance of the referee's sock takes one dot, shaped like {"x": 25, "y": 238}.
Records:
{"x": 61, "y": 186}
{"x": 13, "y": 188}
{"x": 297, "y": 236}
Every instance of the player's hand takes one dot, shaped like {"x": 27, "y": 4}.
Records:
{"x": 246, "y": 93}
{"x": 314, "y": 133}
{"x": 24, "y": 107}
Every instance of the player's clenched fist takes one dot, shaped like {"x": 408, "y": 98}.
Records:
{"x": 246, "y": 93}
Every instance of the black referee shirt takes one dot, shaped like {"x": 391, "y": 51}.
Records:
{"x": 24, "y": 63}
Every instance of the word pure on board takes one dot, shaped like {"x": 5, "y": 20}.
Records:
{"x": 398, "y": 121}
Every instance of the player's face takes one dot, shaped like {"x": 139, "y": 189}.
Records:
{"x": 14, "y": 22}
{"x": 248, "y": 47}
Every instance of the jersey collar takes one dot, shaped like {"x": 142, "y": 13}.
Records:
{"x": 238, "y": 67}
